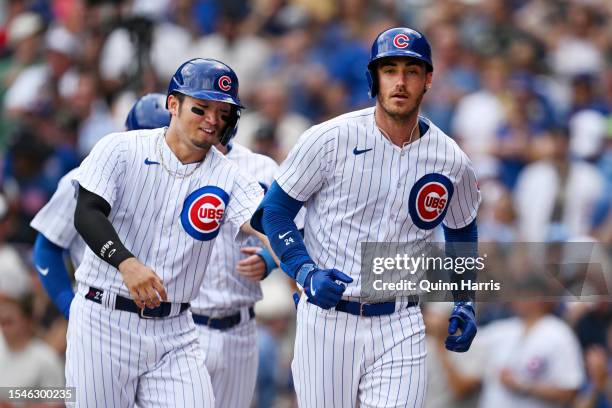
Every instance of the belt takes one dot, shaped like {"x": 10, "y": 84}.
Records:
{"x": 370, "y": 309}
{"x": 221, "y": 323}
{"x": 128, "y": 305}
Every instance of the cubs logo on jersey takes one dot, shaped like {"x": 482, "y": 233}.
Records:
{"x": 428, "y": 200}
{"x": 203, "y": 212}
{"x": 536, "y": 367}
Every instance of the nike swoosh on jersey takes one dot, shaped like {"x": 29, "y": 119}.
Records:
{"x": 281, "y": 236}
{"x": 357, "y": 152}
{"x": 42, "y": 271}
{"x": 149, "y": 162}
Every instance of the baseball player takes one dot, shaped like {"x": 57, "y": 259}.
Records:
{"x": 382, "y": 174}
{"x": 224, "y": 310}
{"x": 150, "y": 206}
{"x": 55, "y": 221}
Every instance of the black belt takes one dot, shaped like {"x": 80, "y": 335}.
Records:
{"x": 128, "y": 305}
{"x": 370, "y": 309}
{"x": 221, "y": 323}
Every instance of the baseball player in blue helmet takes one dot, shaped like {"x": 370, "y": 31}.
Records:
{"x": 150, "y": 209}
{"x": 397, "y": 42}
{"x": 149, "y": 112}
{"x": 380, "y": 174}
{"x": 210, "y": 80}
{"x": 55, "y": 221}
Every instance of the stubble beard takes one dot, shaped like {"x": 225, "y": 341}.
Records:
{"x": 401, "y": 117}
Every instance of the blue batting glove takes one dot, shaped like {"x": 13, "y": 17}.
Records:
{"x": 463, "y": 318}
{"x": 322, "y": 289}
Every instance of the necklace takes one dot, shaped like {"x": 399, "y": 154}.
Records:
{"x": 173, "y": 173}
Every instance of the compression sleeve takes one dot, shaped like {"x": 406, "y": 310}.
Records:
{"x": 91, "y": 221}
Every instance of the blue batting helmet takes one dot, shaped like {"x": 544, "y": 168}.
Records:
{"x": 209, "y": 79}
{"x": 397, "y": 42}
{"x": 149, "y": 112}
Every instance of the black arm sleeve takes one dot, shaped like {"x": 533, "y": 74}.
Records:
{"x": 91, "y": 221}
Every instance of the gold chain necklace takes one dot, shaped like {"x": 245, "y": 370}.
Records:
{"x": 173, "y": 173}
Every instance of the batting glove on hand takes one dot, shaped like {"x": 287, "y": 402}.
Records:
{"x": 462, "y": 318}
{"x": 321, "y": 288}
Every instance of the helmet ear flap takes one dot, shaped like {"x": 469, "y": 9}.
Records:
{"x": 232, "y": 126}
{"x": 372, "y": 83}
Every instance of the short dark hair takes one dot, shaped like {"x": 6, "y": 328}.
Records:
{"x": 180, "y": 97}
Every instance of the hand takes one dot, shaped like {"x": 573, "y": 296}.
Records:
{"x": 321, "y": 288}
{"x": 146, "y": 288}
{"x": 462, "y": 317}
{"x": 507, "y": 379}
{"x": 253, "y": 267}
{"x": 596, "y": 362}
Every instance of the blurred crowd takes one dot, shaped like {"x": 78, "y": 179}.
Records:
{"x": 525, "y": 87}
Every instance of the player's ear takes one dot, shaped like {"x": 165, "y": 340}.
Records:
{"x": 428, "y": 81}
{"x": 173, "y": 104}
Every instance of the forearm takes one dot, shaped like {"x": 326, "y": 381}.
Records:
{"x": 462, "y": 385}
{"x": 551, "y": 394}
{"x": 462, "y": 243}
{"x": 275, "y": 218}
{"x": 49, "y": 262}
{"x": 248, "y": 229}
{"x": 92, "y": 223}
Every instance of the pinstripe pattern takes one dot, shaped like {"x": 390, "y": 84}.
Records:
{"x": 56, "y": 219}
{"x": 357, "y": 186}
{"x": 231, "y": 359}
{"x": 224, "y": 291}
{"x": 115, "y": 358}
{"x": 146, "y": 203}
{"x": 380, "y": 363}
{"x": 364, "y": 198}
{"x": 122, "y": 359}
{"x": 231, "y": 355}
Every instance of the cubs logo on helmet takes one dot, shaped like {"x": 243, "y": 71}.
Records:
{"x": 203, "y": 211}
{"x": 225, "y": 83}
{"x": 401, "y": 40}
{"x": 428, "y": 200}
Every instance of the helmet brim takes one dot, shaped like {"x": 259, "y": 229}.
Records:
{"x": 213, "y": 96}
{"x": 400, "y": 53}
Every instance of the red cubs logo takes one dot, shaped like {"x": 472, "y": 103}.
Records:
{"x": 401, "y": 40}
{"x": 206, "y": 213}
{"x": 431, "y": 201}
{"x": 428, "y": 200}
{"x": 203, "y": 211}
{"x": 225, "y": 83}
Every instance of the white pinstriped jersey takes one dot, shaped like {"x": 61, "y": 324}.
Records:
{"x": 359, "y": 187}
{"x": 223, "y": 289}
{"x": 56, "y": 219}
{"x": 169, "y": 223}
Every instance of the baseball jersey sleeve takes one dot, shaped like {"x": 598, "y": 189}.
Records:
{"x": 56, "y": 219}
{"x": 567, "y": 365}
{"x": 309, "y": 163}
{"x": 465, "y": 201}
{"x": 104, "y": 167}
{"x": 245, "y": 197}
